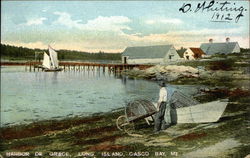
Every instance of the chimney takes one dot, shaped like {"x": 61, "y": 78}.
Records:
{"x": 227, "y": 39}
{"x": 210, "y": 40}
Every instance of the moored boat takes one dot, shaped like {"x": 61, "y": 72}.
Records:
{"x": 50, "y": 62}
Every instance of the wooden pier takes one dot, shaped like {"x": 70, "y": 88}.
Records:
{"x": 79, "y": 66}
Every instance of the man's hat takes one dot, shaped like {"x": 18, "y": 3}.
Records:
{"x": 162, "y": 84}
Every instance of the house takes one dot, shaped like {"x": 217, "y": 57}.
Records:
{"x": 221, "y": 48}
{"x": 149, "y": 54}
{"x": 193, "y": 53}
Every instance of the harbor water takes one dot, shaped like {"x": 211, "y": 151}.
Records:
{"x": 33, "y": 96}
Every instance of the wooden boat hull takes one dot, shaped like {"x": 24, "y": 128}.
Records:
{"x": 202, "y": 113}
{"x": 52, "y": 70}
{"x": 48, "y": 70}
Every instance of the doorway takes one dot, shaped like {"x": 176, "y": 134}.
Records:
{"x": 125, "y": 60}
{"x": 170, "y": 57}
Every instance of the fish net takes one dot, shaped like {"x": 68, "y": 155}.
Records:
{"x": 179, "y": 100}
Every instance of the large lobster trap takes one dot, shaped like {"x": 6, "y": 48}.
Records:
{"x": 134, "y": 111}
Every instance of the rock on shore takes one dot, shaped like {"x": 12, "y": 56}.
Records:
{"x": 168, "y": 73}
{"x": 174, "y": 72}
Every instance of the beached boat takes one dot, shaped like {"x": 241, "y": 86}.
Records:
{"x": 50, "y": 62}
{"x": 185, "y": 109}
{"x": 202, "y": 113}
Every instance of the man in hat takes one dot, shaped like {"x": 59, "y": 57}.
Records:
{"x": 160, "y": 123}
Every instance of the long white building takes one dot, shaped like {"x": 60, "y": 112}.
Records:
{"x": 150, "y": 54}
{"x": 220, "y": 48}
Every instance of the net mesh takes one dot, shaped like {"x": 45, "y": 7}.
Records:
{"x": 139, "y": 109}
{"x": 179, "y": 100}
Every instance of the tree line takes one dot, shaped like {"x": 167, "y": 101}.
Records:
{"x": 14, "y": 53}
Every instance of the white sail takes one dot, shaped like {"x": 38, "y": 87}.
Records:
{"x": 53, "y": 57}
{"x": 46, "y": 61}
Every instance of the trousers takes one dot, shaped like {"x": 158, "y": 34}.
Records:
{"x": 159, "y": 118}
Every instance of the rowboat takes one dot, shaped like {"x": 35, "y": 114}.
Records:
{"x": 202, "y": 113}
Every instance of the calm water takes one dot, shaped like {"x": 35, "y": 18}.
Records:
{"x": 31, "y": 96}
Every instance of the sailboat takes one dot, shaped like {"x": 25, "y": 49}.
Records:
{"x": 50, "y": 62}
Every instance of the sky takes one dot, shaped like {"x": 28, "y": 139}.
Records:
{"x": 111, "y": 26}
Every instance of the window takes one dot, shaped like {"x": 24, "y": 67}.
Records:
{"x": 170, "y": 57}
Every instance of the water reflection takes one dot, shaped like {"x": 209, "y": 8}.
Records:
{"x": 54, "y": 78}
{"x": 124, "y": 79}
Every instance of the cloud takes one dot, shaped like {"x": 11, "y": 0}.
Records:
{"x": 112, "y": 23}
{"x": 164, "y": 21}
{"x": 33, "y": 45}
{"x": 150, "y": 22}
{"x": 191, "y": 38}
{"x": 207, "y": 31}
{"x": 64, "y": 45}
{"x": 178, "y": 35}
{"x": 37, "y": 21}
{"x": 107, "y": 34}
{"x": 65, "y": 19}
{"x": 118, "y": 42}
{"x": 101, "y": 23}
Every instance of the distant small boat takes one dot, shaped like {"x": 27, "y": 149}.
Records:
{"x": 50, "y": 62}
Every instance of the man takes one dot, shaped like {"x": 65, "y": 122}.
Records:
{"x": 160, "y": 123}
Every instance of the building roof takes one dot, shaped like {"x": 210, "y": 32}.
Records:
{"x": 197, "y": 51}
{"x": 181, "y": 52}
{"x": 147, "y": 52}
{"x": 212, "y": 48}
